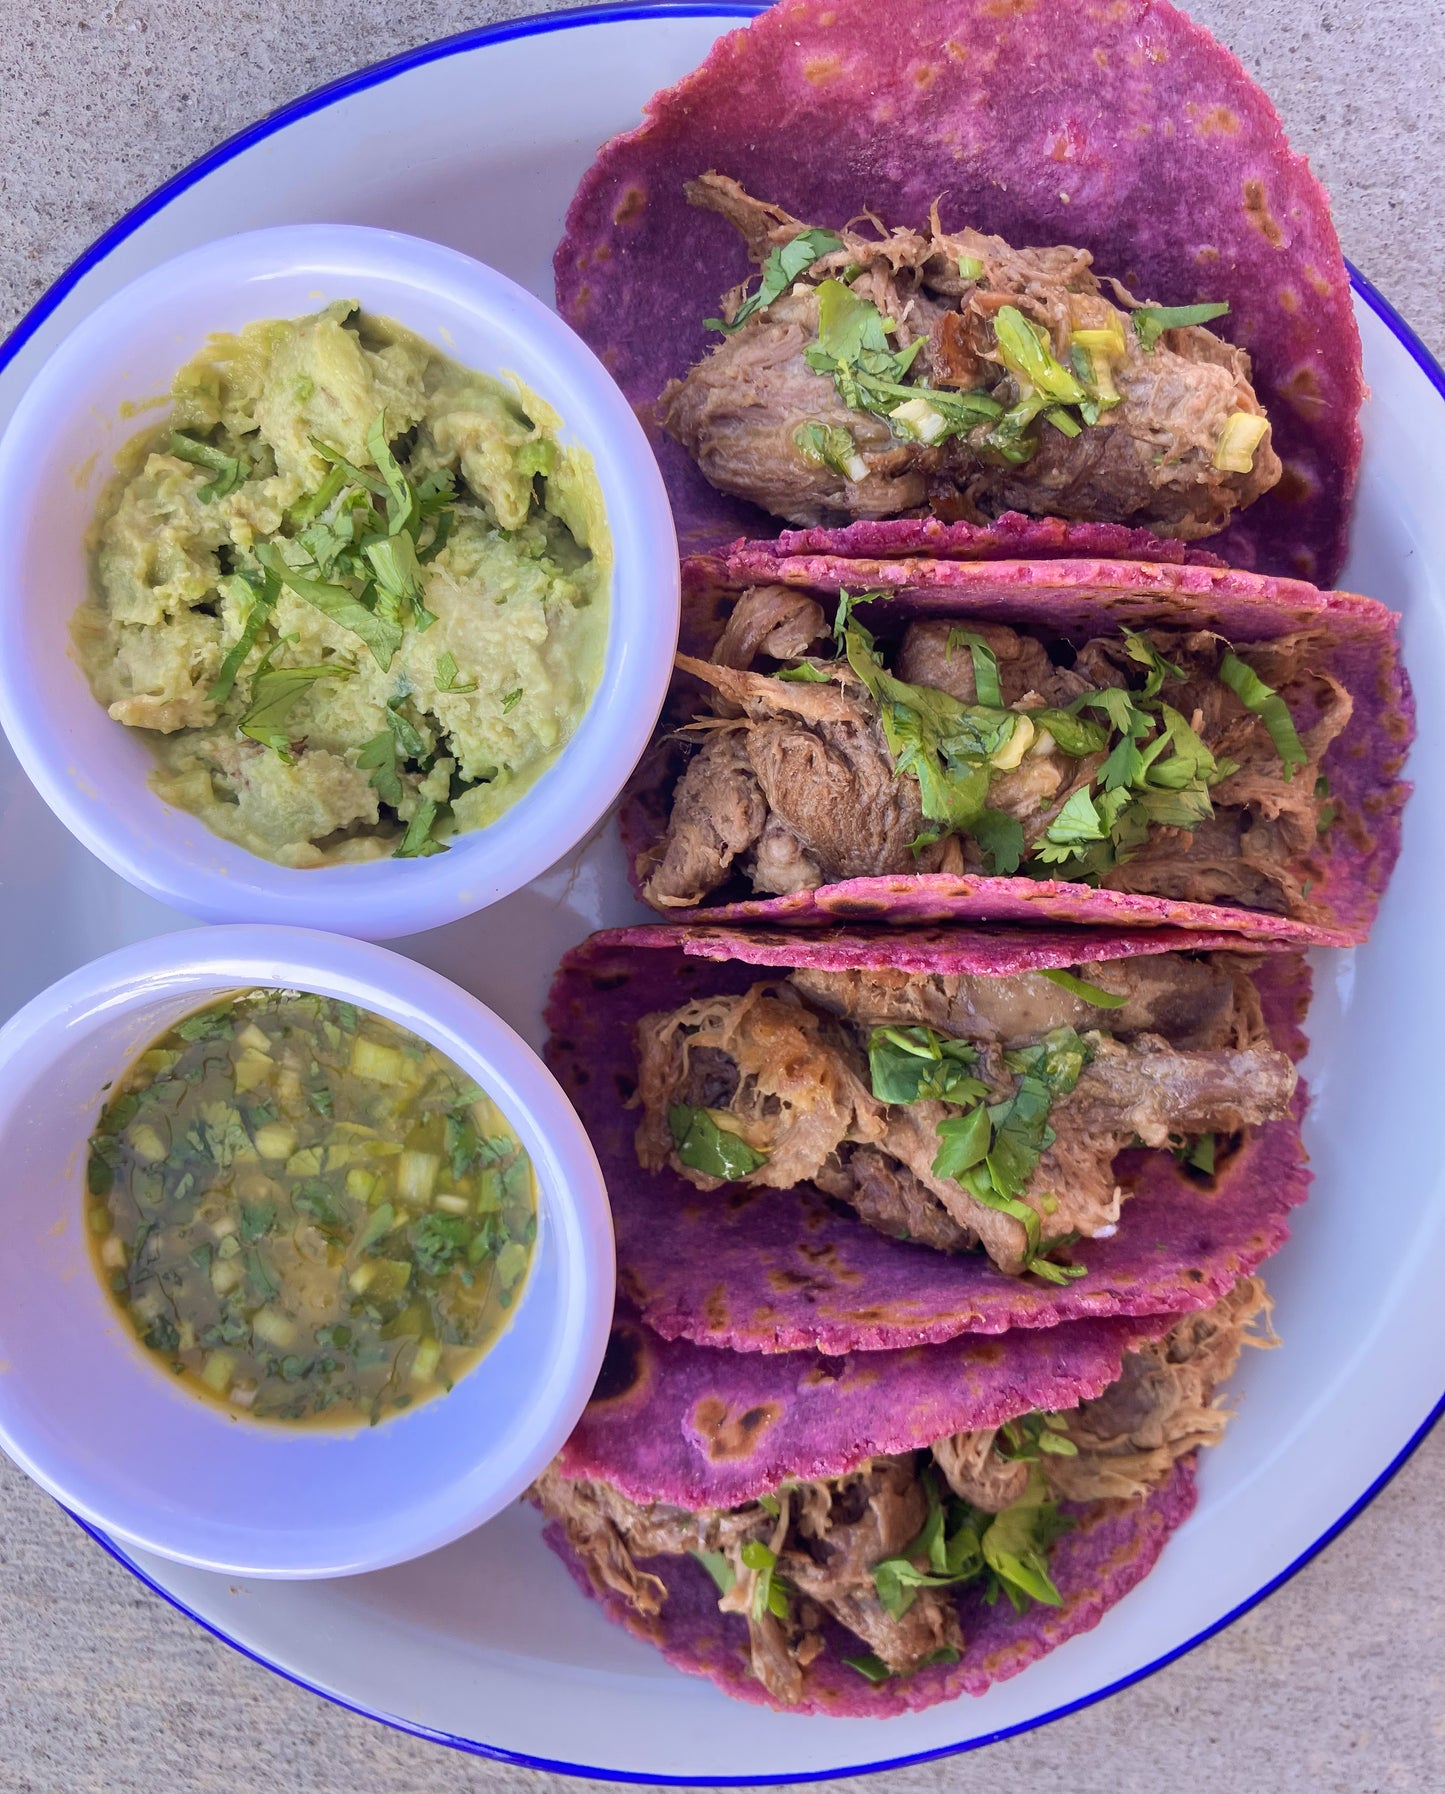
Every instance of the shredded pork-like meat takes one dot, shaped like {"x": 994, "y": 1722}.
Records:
{"x": 1150, "y": 460}
{"x": 794, "y": 785}
{"x": 829, "y": 1537}
{"x": 791, "y": 1079}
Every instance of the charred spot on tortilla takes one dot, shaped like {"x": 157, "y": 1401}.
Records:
{"x": 623, "y": 1363}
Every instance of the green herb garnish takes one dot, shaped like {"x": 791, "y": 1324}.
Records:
{"x": 228, "y": 471}
{"x": 1265, "y": 702}
{"x": 1081, "y": 988}
{"x": 702, "y": 1145}
{"x": 1151, "y": 321}
{"x": 782, "y": 267}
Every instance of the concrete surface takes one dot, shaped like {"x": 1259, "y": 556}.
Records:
{"x": 1334, "y": 1686}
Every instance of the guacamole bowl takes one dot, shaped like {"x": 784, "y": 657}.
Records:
{"x": 130, "y": 793}
{"x": 100, "y": 1420}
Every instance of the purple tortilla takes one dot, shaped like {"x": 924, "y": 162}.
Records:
{"x": 1076, "y": 599}
{"x": 1111, "y": 1548}
{"x": 1125, "y": 129}
{"x": 781, "y": 1271}
{"x": 699, "y": 1427}
{"x": 1012, "y": 537}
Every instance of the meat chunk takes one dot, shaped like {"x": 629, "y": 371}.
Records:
{"x": 876, "y": 1514}
{"x": 1195, "y": 1001}
{"x": 1163, "y": 1405}
{"x": 799, "y": 1087}
{"x": 739, "y": 411}
{"x": 935, "y": 654}
{"x": 805, "y": 774}
{"x": 718, "y": 812}
{"x": 891, "y": 1199}
{"x": 774, "y": 620}
{"x": 976, "y": 1473}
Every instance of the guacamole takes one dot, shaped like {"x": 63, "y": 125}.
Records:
{"x": 355, "y": 594}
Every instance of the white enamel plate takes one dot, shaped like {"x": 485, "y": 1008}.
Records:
{"x": 487, "y": 1645}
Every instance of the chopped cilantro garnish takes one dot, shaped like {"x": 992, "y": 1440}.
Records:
{"x": 381, "y": 634}
{"x": 993, "y": 1150}
{"x": 1265, "y": 703}
{"x": 1151, "y": 321}
{"x": 782, "y": 267}
{"x": 1034, "y": 1435}
{"x": 264, "y": 593}
{"x": 446, "y": 675}
{"x": 273, "y": 693}
{"x": 804, "y": 673}
{"x": 770, "y": 1591}
{"x": 910, "y": 1065}
{"x": 704, "y": 1146}
{"x": 1080, "y": 987}
{"x": 437, "y": 1241}
{"x": 831, "y": 446}
{"x": 510, "y": 699}
{"x": 418, "y": 842}
{"x": 228, "y": 471}
{"x": 718, "y": 1567}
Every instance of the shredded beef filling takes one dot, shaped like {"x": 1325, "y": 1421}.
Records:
{"x": 828, "y": 1538}
{"x": 791, "y": 784}
{"x": 1149, "y": 460}
{"x": 784, "y": 1068}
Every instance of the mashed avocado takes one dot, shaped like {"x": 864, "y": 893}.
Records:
{"x": 356, "y": 594}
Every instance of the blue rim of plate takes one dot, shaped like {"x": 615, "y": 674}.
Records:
{"x": 46, "y": 305}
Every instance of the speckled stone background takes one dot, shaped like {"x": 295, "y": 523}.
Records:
{"x": 1336, "y": 1685}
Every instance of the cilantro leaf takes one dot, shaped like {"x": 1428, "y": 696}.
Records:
{"x": 446, "y": 675}
{"x": 1016, "y": 1546}
{"x": 378, "y": 756}
{"x": 228, "y": 471}
{"x": 985, "y": 665}
{"x": 704, "y": 1146}
{"x": 831, "y": 446}
{"x": 381, "y": 634}
{"x": 1151, "y": 321}
{"x": 263, "y": 601}
{"x": 418, "y": 843}
{"x": 437, "y": 1241}
{"x": 782, "y": 267}
{"x": 910, "y": 1065}
{"x": 1001, "y": 841}
{"x": 1081, "y": 988}
{"x": 401, "y": 501}
{"x": 770, "y": 1591}
{"x": 718, "y": 1567}
{"x": 273, "y": 693}
{"x": 1265, "y": 702}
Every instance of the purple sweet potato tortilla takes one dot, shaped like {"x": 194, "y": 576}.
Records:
{"x": 1126, "y": 130}
{"x": 702, "y": 1427}
{"x": 780, "y": 1271}
{"x": 1111, "y": 1548}
{"x": 1011, "y": 537}
{"x": 1074, "y": 599}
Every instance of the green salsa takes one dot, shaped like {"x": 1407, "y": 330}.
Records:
{"x": 307, "y": 1213}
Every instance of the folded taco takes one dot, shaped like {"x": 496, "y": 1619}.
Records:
{"x": 865, "y": 1141}
{"x": 856, "y": 268}
{"x": 876, "y": 1533}
{"x": 1072, "y": 739}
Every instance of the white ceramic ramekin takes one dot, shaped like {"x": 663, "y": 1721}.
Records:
{"x": 98, "y": 1421}
{"x": 58, "y": 453}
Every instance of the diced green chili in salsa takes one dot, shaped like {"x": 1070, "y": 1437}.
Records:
{"x": 306, "y": 1212}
